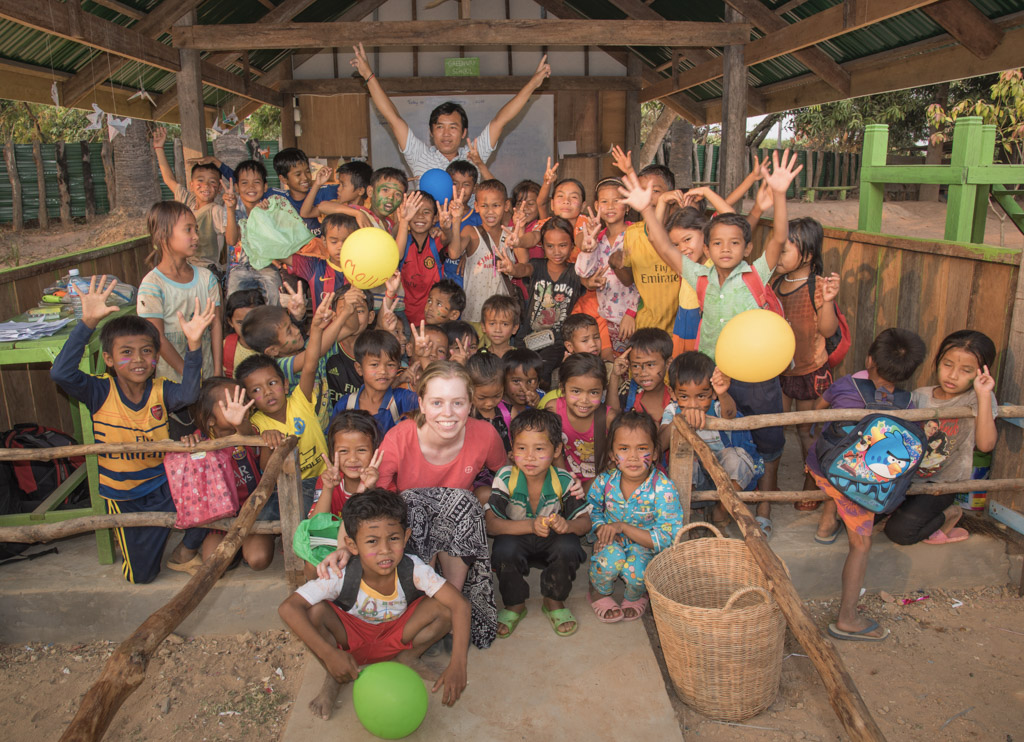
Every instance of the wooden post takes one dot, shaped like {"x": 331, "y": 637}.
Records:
{"x": 634, "y": 68}
{"x": 179, "y": 163}
{"x": 126, "y": 668}
{"x": 63, "y": 187}
{"x": 876, "y": 144}
{"x": 732, "y": 159}
{"x": 37, "y": 155}
{"x": 842, "y": 692}
{"x": 289, "y": 499}
{"x": 680, "y": 469}
{"x": 967, "y": 136}
{"x": 18, "y": 214}
{"x": 190, "y": 98}
{"x": 87, "y": 184}
{"x": 109, "y": 174}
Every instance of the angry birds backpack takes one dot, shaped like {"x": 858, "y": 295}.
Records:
{"x": 872, "y": 461}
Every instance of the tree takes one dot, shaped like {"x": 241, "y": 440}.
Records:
{"x": 1003, "y": 107}
{"x": 24, "y": 122}
{"x": 839, "y": 126}
{"x": 264, "y": 123}
{"x": 135, "y": 170}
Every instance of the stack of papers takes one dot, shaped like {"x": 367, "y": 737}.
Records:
{"x": 32, "y": 330}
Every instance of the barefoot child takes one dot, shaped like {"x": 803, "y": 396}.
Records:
{"x": 583, "y": 414}
{"x": 961, "y": 368}
{"x": 635, "y": 514}
{"x": 532, "y": 520}
{"x": 383, "y": 606}
{"x": 129, "y": 405}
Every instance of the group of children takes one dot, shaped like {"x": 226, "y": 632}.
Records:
{"x": 582, "y": 335}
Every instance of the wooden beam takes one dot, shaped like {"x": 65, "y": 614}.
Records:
{"x": 190, "y": 99}
{"x": 842, "y": 692}
{"x": 926, "y": 63}
{"x": 104, "y": 66}
{"x": 126, "y": 10}
{"x": 634, "y": 67}
{"x": 787, "y": 7}
{"x": 968, "y": 25}
{"x": 732, "y": 161}
{"x": 446, "y": 85}
{"x": 835, "y": 21}
{"x": 524, "y": 32}
{"x": 813, "y": 58}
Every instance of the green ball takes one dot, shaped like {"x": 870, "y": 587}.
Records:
{"x": 390, "y": 700}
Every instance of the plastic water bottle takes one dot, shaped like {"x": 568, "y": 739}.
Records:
{"x": 73, "y": 289}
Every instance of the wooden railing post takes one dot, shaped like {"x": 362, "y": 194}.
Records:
{"x": 680, "y": 468}
{"x": 289, "y": 499}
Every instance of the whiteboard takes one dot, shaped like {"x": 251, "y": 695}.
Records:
{"x": 522, "y": 151}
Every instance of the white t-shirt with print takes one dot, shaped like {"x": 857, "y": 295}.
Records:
{"x": 371, "y": 606}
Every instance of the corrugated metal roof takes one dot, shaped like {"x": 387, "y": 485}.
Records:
{"x": 21, "y": 44}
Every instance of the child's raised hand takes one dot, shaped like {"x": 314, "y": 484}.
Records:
{"x": 783, "y": 171}
{"x": 620, "y": 367}
{"x": 159, "y": 137}
{"x": 830, "y": 287}
{"x": 550, "y": 173}
{"x": 331, "y": 475}
{"x": 333, "y": 564}
{"x": 681, "y": 199}
{"x": 322, "y": 176}
{"x": 719, "y": 382}
{"x": 194, "y": 328}
{"x": 324, "y": 314}
{"x": 460, "y": 352}
{"x": 423, "y": 346}
{"x": 764, "y": 198}
{"x": 532, "y": 398}
{"x": 233, "y": 406}
{"x": 229, "y": 196}
{"x": 756, "y": 169}
{"x": 694, "y": 418}
{"x": 444, "y": 215}
{"x": 293, "y": 300}
{"x": 410, "y": 205}
{"x": 456, "y": 209}
{"x": 596, "y": 282}
{"x": 504, "y": 265}
{"x": 984, "y": 383}
{"x": 371, "y": 472}
{"x": 622, "y": 160}
{"x": 360, "y": 62}
{"x": 540, "y": 527}
{"x": 273, "y": 438}
{"x": 633, "y": 195}
{"x": 94, "y": 303}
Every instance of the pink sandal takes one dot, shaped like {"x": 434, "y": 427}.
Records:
{"x": 955, "y": 535}
{"x": 603, "y": 606}
{"x": 638, "y": 606}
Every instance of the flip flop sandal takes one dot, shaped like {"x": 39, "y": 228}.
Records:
{"x": 509, "y": 619}
{"x": 560, "y": 617}
{"x": 831, "y": 538}
{"x": 955, "y": 535}
{"x": 766, "y": 526}
{"x": 638, "y": 606}
{"x": 603, "y": 606}
{"x": 857, "y": 636}
{"x": 190, "y": 567}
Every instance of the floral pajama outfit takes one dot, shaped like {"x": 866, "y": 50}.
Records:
{"x": 654, "y": 507}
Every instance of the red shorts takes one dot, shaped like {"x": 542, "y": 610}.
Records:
{"x": 375, "y": 642}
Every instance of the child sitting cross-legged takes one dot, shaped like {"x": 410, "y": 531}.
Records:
{"x": 701, "y": 391}
{"x": 129, "y": 405}
{"x": 634, "y": 513}
{"x": 384, "y": 605}
{"x": 536, "y": 521}
{"x": 378, "y": 360}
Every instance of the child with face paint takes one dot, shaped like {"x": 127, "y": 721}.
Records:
{"x": 635, "y": 514}
{"x": 386, "y": 191}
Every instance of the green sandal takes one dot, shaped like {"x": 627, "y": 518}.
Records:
{"x": 509, "y": 619}
{"x": 560, "y": 617}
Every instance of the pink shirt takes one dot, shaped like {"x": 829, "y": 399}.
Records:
{"x": 403, "y": 467}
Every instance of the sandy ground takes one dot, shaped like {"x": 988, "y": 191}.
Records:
{"x": 906, "y": 218}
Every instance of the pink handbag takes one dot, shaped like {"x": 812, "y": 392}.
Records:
{"x": 202, "y": 486}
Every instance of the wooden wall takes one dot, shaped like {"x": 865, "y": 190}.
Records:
{"x": 26, "y": 392}
{"x": 333, "y": 126}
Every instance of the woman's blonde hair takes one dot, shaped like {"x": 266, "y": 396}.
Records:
{"x": 441, "y": 370}
{"x": 160, "y": 221}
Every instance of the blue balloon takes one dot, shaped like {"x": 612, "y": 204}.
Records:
{"x": 438, "y": 184}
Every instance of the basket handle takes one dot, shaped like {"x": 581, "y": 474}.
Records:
{"x": 691, "y": 526}
{"x": 743, "y": 591}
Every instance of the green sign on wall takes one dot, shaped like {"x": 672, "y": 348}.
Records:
{"x": 462, "y": 67}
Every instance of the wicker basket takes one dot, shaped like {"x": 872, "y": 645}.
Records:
{"x": 721, "y": 631}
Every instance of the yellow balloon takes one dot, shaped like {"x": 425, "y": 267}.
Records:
{"x": 754, "y": 346}
{"x": 368, "y": 257}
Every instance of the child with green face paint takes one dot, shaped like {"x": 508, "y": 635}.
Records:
{"x": 386, "y": 191}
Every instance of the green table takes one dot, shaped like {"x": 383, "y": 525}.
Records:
{"x": 45, "y": 350}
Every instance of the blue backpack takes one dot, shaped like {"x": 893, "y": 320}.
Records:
{"x": 872, "y": 461}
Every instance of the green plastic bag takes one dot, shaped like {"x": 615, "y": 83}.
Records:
{"x": 273, "y": 233}
{"x": 320, "y": 526}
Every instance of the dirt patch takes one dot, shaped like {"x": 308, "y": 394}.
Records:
{"x": 34, "y": 244}
{"x": 944, "y": 673}
{"x": 205, "y": 688}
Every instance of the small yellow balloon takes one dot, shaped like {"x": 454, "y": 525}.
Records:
{"x": 368, "y": 257}
{"x": 754, "y": 346}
